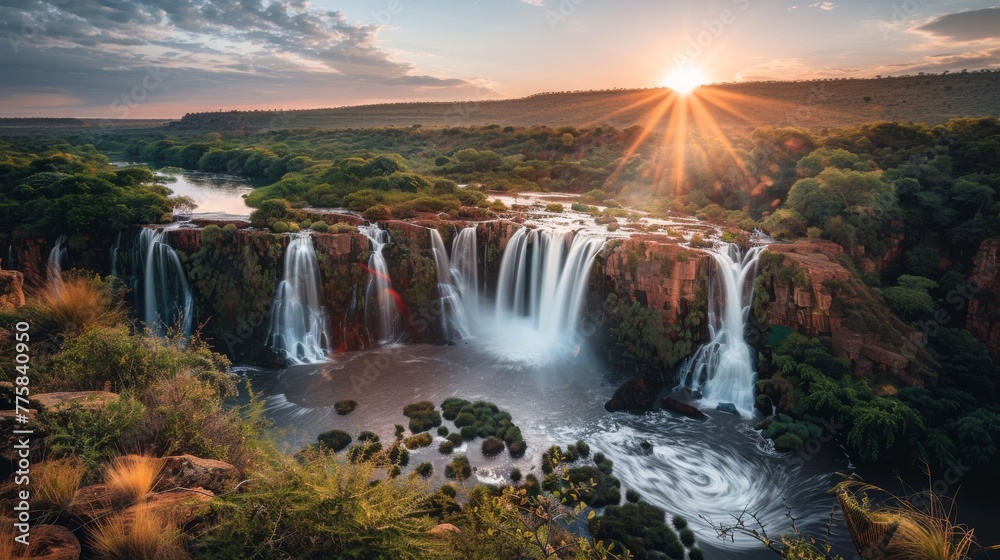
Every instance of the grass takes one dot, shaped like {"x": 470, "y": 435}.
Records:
{"x": 136, "y": 534}
{"x": 131, "y": 478}
{"x": 55, "y": 483}
{"x": 82, "y": 303}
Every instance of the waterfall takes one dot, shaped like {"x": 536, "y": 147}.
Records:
{"x": 54, "y": 266}
{"x": 455, "y": 322}
{"x": 465, "y": 270}
{"x": 723, "y": 369}
{"x": 114, "y": 253}
{"x": 162, "y": 293}
{"x": 380, "y": 299}
{"x": 543, "y": 279}
{"x": 298, "y": 331}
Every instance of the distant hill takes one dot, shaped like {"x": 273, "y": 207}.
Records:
{"x": 736, "y": 108}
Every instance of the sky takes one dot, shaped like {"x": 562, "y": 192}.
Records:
{"x": 165, "y": 58}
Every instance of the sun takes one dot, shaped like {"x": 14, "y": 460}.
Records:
{"x": 685, "y": 78}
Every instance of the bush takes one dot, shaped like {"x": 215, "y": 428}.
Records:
{"x": 459, "y": 468}
{"x": 442, "y": 431}
{"x": 554, "y": 207}
{"x": 582, "y": 449}
{"x": 367, "y": 447}
{"x": 320, "y": 226}
{"x": 446, "y": 447}
{"x": 465, "y": 419}
{"x": 425, "y": 469}
{"x": 632, "y": 496}
{"x": 345, "y": 407}
{"x": 335, "y": 440}
{"x": 413, "y": 408}
{"x": 379, "y": 212}
{"x": 696, "y": 554}
{"x": 424, "y": 420}
{"x": 515, "y": 475}
{"x": 449, "y": 490}
{"x": 418, "y": 441}
{"x": 452, "y": 406}
{"x": 281, "y": 513}
{"x": 492, "y": 446}
{"x": 93, "y": 435}
{"x": 517, "y": 448}
{"x": 687, "y": 537}
{"x": 455, "y": 439}
{"x": 679, "y": 522}
{"x": 280, "y": 227}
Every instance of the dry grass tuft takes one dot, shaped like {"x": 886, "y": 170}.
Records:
{"x": 56, "y": 482}
{"x": 131, "y": 478}
{"x": 137, "y": 534}
{"x": 80, "y": 303}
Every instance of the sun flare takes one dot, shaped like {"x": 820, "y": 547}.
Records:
{"x": 685, "y": 78}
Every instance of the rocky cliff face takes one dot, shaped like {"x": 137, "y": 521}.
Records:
{"x": 11, "y": 289}
{"x": 809, "y": 286}
{"x": 984, "y": 306}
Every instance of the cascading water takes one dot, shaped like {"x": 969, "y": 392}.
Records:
{"x": 114, "y": 253}
{"x": 162, "y": 290}
{"x": 54, "y": 266}
{"x": 454, "y": 318}
{"x": 465, "y": 270}
{"x": 298, "y": 331}
{"x": 380, "y": 299}
{"x": 543, "y": 279}
{"x": 723, "y": 369}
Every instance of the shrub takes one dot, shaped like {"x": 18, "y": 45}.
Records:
{"x": 517, "y": 448}
{"x": 455, "y": 439}
{"x": 131, "y": 478}
{"x": 696, "y": 554}
{"x": 399, "y": 431}
{"x": 632, "y": 496}
{"x": 465, "y": 419}
{"x": 284, "y": 510}
{"x": 515, "y": 475}
{"x": 442, "y": 431}
{"x": 639, "y": 527}
{"x": 136, "y": 534}
{"x": 55, "y": 483}
{"x": 345, "y": 407}
{"x": 366, "y": 448}
{"x": 412, "y": 408}
{"x": 424, "y": 420}
{"x": 452, "y": 406}
{"x": 446, "y": 447}
{"x": 398, "y": 455}
{"x": 280, "y": 227}
{"x": 319, "y": 226}
{"x": 492, "y": 446}
{"x": 679, "y": 522}
{"x": 93, "y": 435}
{"x": 458, "y": 468}
{"x": 583, "y": 449}
{"x": 699, "y": 242}
{"x": 425, "y": 469}
{"x": 687, "y": 537}
{"x": 469, "y": 433}
{"x": 449, "y": 490}
{"x": 418, "y": 441}
{"x": 379, "y": 212}
{"x": 335, "y": 440}
{"x": 554, "y": 207}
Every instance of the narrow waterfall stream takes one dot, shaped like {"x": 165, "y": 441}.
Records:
{"x": 723, "y": 369}
{"x": 54, "y": 266}
{"x": 298, "y": 331}
{"x": 381, "y": 306}
{"x": 455, "y": 322}
{"x": 162, "y": 291}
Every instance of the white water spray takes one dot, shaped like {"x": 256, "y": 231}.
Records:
{"x": 54, "y": 265}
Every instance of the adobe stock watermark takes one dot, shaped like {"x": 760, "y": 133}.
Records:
{"x": 712, "y": 30}
{"x": 563, "y": 12}
{"x": 902, "y": 12}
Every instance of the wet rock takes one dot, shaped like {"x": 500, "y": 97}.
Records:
{"x": 684, "y": 408}
{"x": 646, "y": 447}
{"x": 727, "y": 407}
{"x": 638, "y": 393}
{"x": 444, "y": 530}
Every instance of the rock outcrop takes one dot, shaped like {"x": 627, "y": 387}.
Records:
{"x": 808, "y": 285}
{"x": 52, "y": 542}
{"x": 188, "y": 471}
{"x": 984, "y": 305}
{"x": 11, "y": 289}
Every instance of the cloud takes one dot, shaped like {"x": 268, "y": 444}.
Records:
{"x": 951, "y": 61}
{"x": 532, "y": 2}
{"x": 965, "y": 26}
{"x": 825, "y": 6}
{"x": 94, "y": 51}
